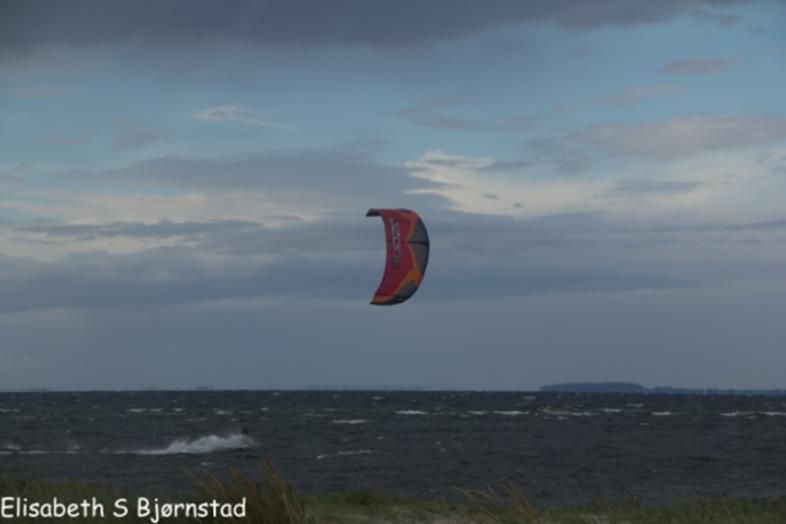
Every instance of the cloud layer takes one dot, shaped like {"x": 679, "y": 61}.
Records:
{"x": 312, "y": 22}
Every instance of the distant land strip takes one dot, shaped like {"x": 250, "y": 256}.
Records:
{"x": 633, "y": 387}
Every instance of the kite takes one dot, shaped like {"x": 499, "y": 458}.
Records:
{"x": 407, "y": 255}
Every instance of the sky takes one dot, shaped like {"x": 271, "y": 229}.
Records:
{"x": 183, "y": 186}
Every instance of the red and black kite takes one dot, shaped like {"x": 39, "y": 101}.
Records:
{"x": 407, "y": 255}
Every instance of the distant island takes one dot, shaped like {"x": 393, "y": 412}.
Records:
{"x": 595, "y": 387}
{"x": 633, "y": 387}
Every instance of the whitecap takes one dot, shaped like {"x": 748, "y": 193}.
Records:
{"x": 358, "y": 452}
{"x": 511, "y": 413}
{"x": 199, "y": 446}
{"x": 410, "y": 412}
{"x": 561, "y": 413}
{"x": 345, "y": 453}
{"x": 350, "y": 421}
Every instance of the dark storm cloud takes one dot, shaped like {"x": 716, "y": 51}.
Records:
{"x": 30, "y": 23}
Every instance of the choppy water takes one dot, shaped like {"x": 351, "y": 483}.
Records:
{"x": 559, "y": 448}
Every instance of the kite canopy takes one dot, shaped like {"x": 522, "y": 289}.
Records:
{"x": 407, "y": 255}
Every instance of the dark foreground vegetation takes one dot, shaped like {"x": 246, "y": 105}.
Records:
{"x": 272, "y": 500}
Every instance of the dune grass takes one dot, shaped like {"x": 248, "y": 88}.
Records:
{"x": 270, "y": 499}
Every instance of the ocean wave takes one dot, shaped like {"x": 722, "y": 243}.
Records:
{"x": 754, "y": 413}
{"x": 12, "y": 449}
{"x": 738, "y": 414}
{"x": 410, "y": 412}
{"x": 511, "y": 413}
{"x": 345, "y": 453}
{"x": 350, "y": 421}
{"x": 565, "y": 413}
{"x": 199, "y": 446}
{"x": 662, "y": 413}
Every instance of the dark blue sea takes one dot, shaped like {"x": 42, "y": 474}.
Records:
{"x": 560, "y": 449}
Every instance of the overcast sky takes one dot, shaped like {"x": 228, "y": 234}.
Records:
{"x": 183, "y": 187}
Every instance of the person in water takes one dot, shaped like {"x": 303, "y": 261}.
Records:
{"x": 247, "y": 437}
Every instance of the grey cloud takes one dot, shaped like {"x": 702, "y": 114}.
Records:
{"x": 716, "y": 17}
{"x": 508, "y": 165}
{"x": 698, "y": 66}
{"x": 67, "y": 140}
{"x": 573, "y": 152}
{"x": 308, "y": 176}
{"x": 568, "y": 156}
{"x": 25, "y": 23}
{"x": 334, "y": 260}
{"x": 162, "y": 229}
{"x": 134, "y": 135}
{"x": 647, "y": 187}
{"x": 638, "y": 94}
{"x": 683, "y": 136}
{"x": 626, "y": 98}
{"x": 428, "y": 114}
{"x": 724, "y": 227}
{"x": 237, "y": 114}
{"x": 169, "y": 276}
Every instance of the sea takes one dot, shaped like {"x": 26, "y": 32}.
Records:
{"x": 559, "y": 449}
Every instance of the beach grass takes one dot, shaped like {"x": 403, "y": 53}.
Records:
{"x": 270, "y": 499}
